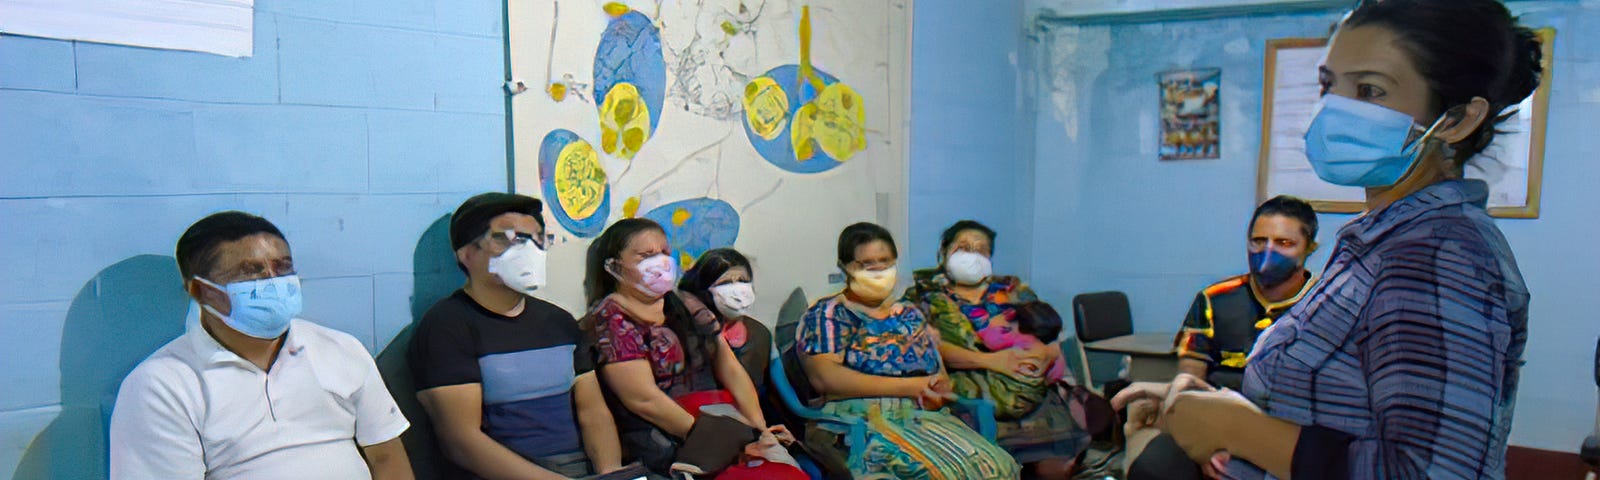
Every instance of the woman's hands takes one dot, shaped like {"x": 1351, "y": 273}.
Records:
{"x": 1165, "y": 393}
{"x": 937, "y": 392}
{"x": 1015, "y": 362}
{"x": 1200, "y": 421}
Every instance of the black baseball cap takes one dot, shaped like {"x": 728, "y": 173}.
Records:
{"x": 471, "y": 220}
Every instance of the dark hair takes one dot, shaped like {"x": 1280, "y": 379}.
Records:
{"x": 197, "y": 248}
{"x": 1465, "y": 49}
{"x": 1040, "y": 320}
{"x": 949, "y": 235}
{"x": 705, "y": 272}
{"x": 598, "y": 282}
{"x": 859, "y": 234}
{"x": 1292, "y": 207}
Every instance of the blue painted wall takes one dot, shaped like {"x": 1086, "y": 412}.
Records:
{"x": 355, "y": 127}
{"x": 970, "y": 155}
{"x": 1108, "y": 215}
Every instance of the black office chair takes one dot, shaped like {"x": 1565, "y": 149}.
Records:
{"x": 1591, "y": 446}
{"x": 1099, "y": 316}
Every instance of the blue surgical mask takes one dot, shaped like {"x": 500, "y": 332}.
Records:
{"x": 259, "y": 308}
{"x": 1360, "y": 144}
{"x": 1272, "y": 268}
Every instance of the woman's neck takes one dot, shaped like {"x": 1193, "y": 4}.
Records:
{"x": 1427, "y": 171}
{"x": 970, "y": 293}
{"x": 642, "y": 307}
{"x": 878, "y": 309}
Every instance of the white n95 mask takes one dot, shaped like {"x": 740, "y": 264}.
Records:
{"x": 521, "y": 267}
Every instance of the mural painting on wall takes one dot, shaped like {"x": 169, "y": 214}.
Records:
{"x": 801, "y": 118}
{"x": 1191, "y": 116}
{"x": 798, "y": 117}
{"x": 726, "y": 121}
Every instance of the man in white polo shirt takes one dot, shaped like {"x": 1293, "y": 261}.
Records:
{"x": 249, "y": 391}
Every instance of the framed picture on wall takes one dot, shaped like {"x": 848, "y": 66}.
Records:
{"x": 1513, "y": 165}
{"x": 1190, "y": 115}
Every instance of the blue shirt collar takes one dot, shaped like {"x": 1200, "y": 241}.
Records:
{"x": 1373, "y": 225}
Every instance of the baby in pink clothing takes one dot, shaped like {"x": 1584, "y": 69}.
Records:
{"x": 1025, "y": 327}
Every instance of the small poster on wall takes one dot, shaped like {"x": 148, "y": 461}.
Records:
{"x": 1191, "y": 118}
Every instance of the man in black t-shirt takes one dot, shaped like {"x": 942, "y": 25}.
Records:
{"x": 500, "y": 372}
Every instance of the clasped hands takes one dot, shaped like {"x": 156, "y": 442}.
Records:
{"x": 1194, "y": 413}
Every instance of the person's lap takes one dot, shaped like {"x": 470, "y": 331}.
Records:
{"x": 1163, "y": 459}
{"x": 1048, "y": 432}
{"x": 904, "y": 441}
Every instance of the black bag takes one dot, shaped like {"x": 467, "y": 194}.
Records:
{"x": 713, "y": 443}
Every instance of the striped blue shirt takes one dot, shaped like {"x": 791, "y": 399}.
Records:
{"x": 1402, "y": 362}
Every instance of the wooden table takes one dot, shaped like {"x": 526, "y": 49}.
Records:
{"x": 1152, "y": 356}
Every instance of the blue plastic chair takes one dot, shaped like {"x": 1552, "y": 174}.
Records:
{"x": 854, "y": 430}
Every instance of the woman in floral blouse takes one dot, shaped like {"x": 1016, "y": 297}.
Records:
{"x": 976, "y": 313}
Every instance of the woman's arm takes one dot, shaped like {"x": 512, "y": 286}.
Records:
{"x": 960, "y": 358}
{"x": 731, "y": 375}
{"x": 835, "y": 380}
{"x": 635, "y": 385}
{"x": 1205, "y": 423}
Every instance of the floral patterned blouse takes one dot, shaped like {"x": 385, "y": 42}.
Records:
{"x": 901, "y": 345}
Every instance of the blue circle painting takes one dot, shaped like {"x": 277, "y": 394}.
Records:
{"x": 696, "y": 225}
{"x": 574, "y": 183}
{"x": 779, "y": 151}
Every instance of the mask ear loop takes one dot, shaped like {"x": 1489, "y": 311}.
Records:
{"x": 1420, "y": 143}
{"x": 611, "y": 268}
{"x": 1427, "y": 134}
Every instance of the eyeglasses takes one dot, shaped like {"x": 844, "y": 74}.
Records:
{"x": 874, "y": 266}
{"x": 509, "y": 238}
{"x": 255, "y": 270}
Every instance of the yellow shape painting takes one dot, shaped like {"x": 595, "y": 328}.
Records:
{"x": 630, "y": 207}
{"x": 580, "y": 180}
{"x": 679, "y": 216}
{"x": 624, "y": 121}
{"x": 766, "y": 107}
{"x": 615, "y": 9}
{"x": 835, "y": 121}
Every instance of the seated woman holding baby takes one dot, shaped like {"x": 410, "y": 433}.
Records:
{"x": 999, "y": 343}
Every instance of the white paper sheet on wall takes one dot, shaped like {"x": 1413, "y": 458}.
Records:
{"x": 223, "y": 27}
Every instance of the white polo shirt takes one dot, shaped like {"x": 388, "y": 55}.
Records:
{"x": 196, "y": 410}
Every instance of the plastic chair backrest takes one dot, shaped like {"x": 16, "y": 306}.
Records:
{"x": 1101, "y": 315}
{"x": 1078, "y": 363}
{"x": 789, "y": 315}
{"x": 788, "y": 326}
{"x": 787, "y": 374}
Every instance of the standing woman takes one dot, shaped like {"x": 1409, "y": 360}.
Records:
{"x": 723, "y": 277}
{"x": 1403, "y": 361}
{"x": 661, "y": 360}
{"x": 878, "y": 359}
